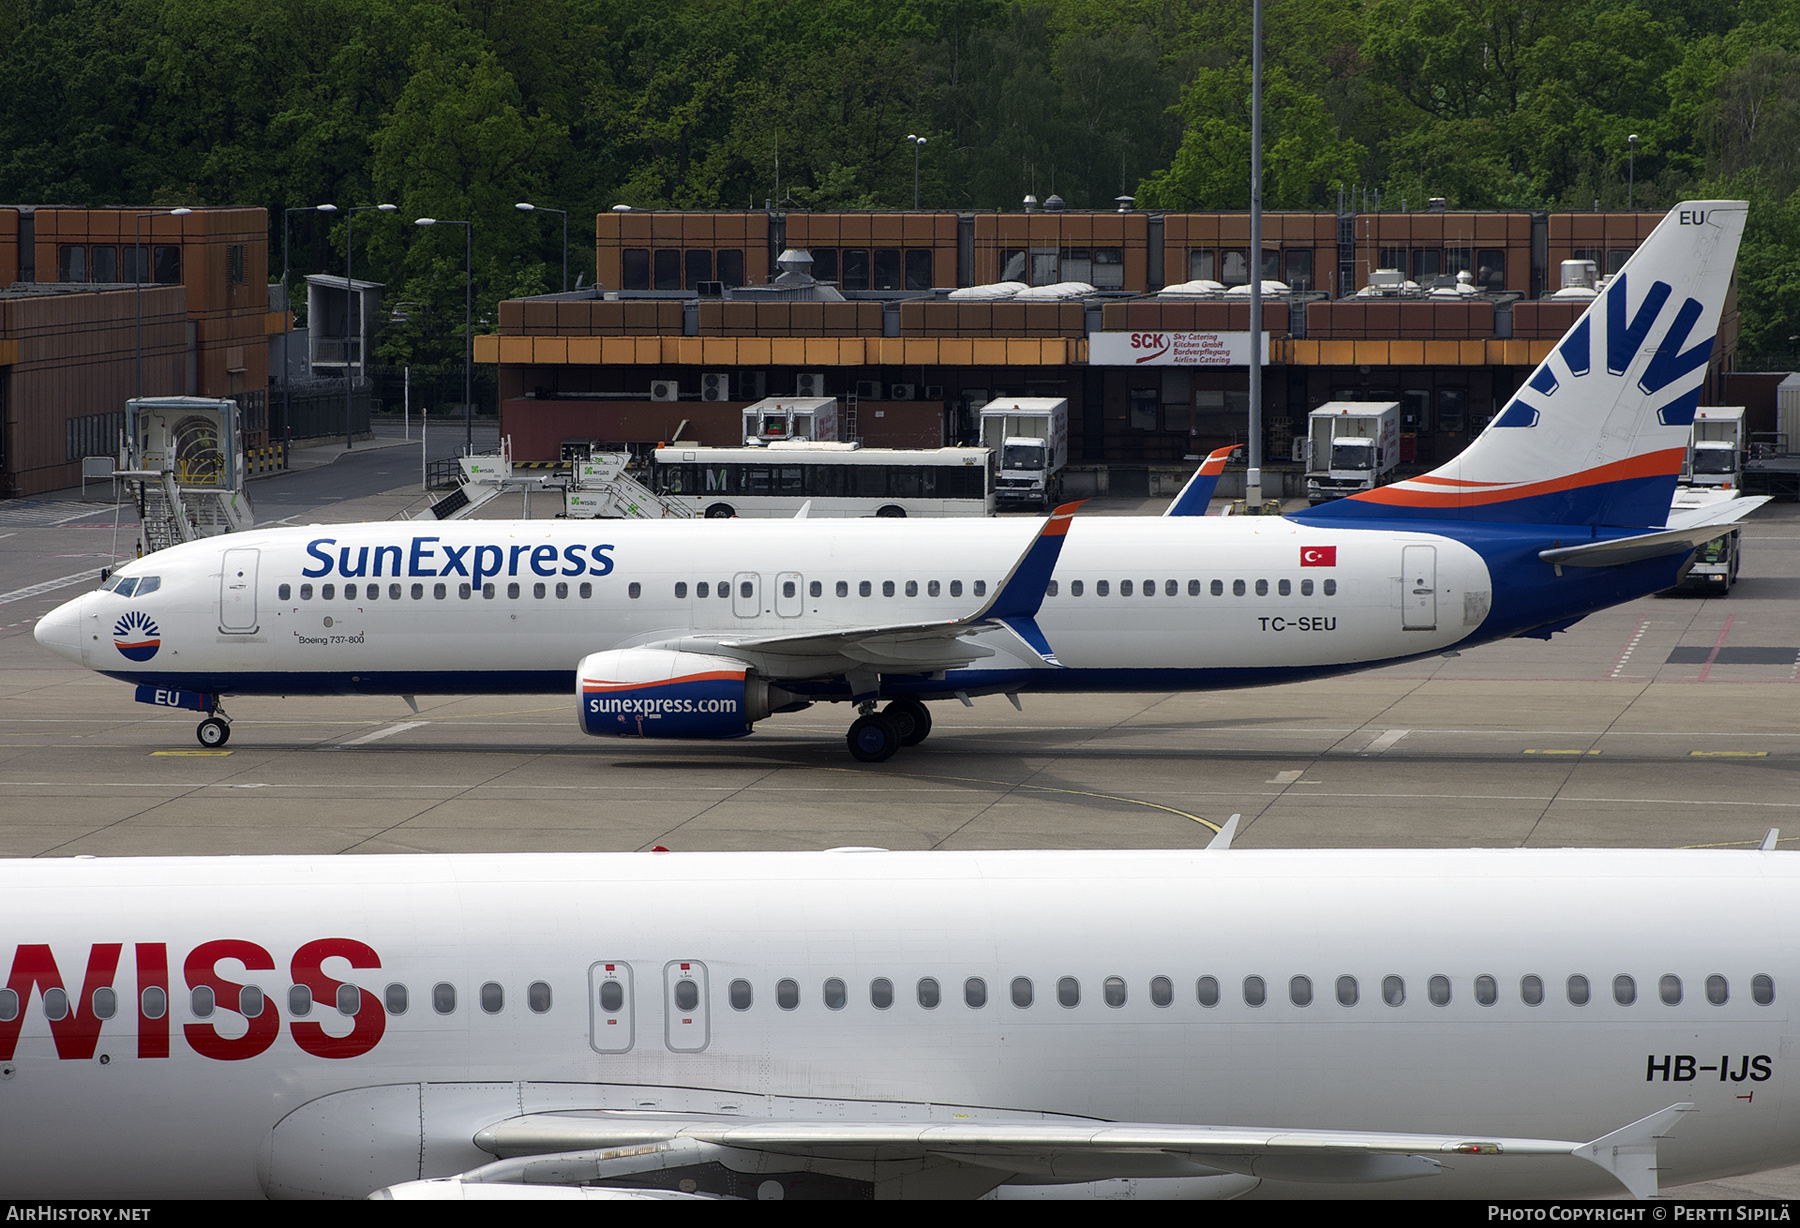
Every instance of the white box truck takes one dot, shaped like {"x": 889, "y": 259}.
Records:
{"x": 1713, "y": 472}
{"x": 1351, "y": 446}
{"x": 1030, "y": 436}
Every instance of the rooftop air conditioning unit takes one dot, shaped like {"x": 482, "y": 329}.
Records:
{"x": 750, "y": 385}
{"x": 715, "y": 386}
{"x": 868, "y": 390}
{"x": 665, "y": 390}
{"x": 809, "y": 384}
{"x": 934, "y": 392}
{"x": 901, "y": 392}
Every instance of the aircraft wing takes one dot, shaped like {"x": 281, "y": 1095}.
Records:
{"x": 973, "y": 1156}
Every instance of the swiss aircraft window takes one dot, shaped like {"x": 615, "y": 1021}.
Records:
{"x": 1218, "y": 588}
{"x": 1300, "y": 990}
{"x": 1021, "y": 992}
{"x": 612, "y": 997}
{"x": 328, "y": 591}
{"x": 1237, "y": 588}
{"x": 702, "y": 589}
{"x": 1331, "y": 588}
{"x": 687, "y": 994}
{"x": 1206, "y": 991}
{"x": 680, "y": 590}
{"x": 1255, "y": 992}
{"x": 443, "y": 997}
{"x": 1762, "y": 989}
{"x": 1172, "y": 588}
{"x": 815, "y": 589}
{"x": 512, "y": 591}
{"x": 1162, "y": 991}
{"x": 1306, "y": 588}
{"x": 200, "y": 1002}
{"x": 843, "y": 588}
{"x": 56, "y": 1003}
{"x": 1262, "y": 588}
{"x": 881, "y": 993}
{"x": 1438, "y": 990}
{"x": 562, "y": 590}
{"x": 981, "y": 588}
{"x": 1393, "y": 990}
{"x": 418, "y": 592}
{"x": 106, "y": 1002}
{"x": 956, "y": 588}
{"x": 912, "y": 588}
{"x": 153, "y": 1002}
{"x": 284, "y": 593}
{"x": 1347, "y": 992}
{"x": 739, "y": 995}
{"x": 1124, "y": 588}
{"x": 1718, "y": 992}
{"x": 887, "y": 588}
{"x": 587, "y": 590}
{"x": 787, "y": 994}
{"x": 932, "y": 588}
{"x": 788, "y": 589}
{"x": 1068, "y": 992}
{"x": 1284, "y": 587}
{"x": 395, "y": 999}
{"x": 538, "y": 590}
{"x": 537, "y": 997}
{"x": 1101, "y": 588}
{"x": 1113, "y": 990}
{"x": 440, "y": 591}
{"x": 865, "y": 589}
{"x": 1074, "y": 588}
{"x": 299, "y": 1001}
{"x": 634, "y": 590}
{"x": 1669, "y": 989}
{"x": 349, "y": 999}
{"x": 835, "y": 995}
{"x": 250, "y": 1001}
{"x": 929, "y": 994}
{"x": 975, "y": 993}
{"x": 306, "y": 592}
{"x": 1578, "y": 990}
{"x": 462, "y": 591}
{"x": 1487, "y": 990}
{"x": 393, "y": 592}
{"x": 493, "y": 998}
{"x": 1531, "y": 990}
{"x": 1624, "y": 990}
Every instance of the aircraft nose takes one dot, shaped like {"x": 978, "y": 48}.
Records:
{"x": 60, "y": 630}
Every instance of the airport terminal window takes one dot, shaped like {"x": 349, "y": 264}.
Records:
{"x": 443, "y": 998}
{"x": 834, "y": 994}
{"x": 1393, "y": 990}
{"x": 250, "y": 1001}
{"x": 956, "y": 588}
{"x": 1531, "y": 990}
{"x": 1456, "y": 260}
{"x": 680, "y": 590}
{"x": 1451, "y": 404}
{"x": 1162, "y": 991}
{"x": 825, "y": 263}
{"x": 1300, "y": 990}
{"x": 1234, "y": 266}
{"x": 1425, "y": 266}
{"x": 1125, "y": 588}
{"x": 1718, "y": 992}
{"x": 1255, "y": 992}
{"x": 327, "y": 591}
{"x": 887, "y": 268}
{"x": 1200, "y": 264}
{"x": 1578, "y": 990}
{"x": 1490, "y": 274}
{"x": 493, "y": 998}
{"x": 1624, "y": 990}
{"x": 537, "y": 997}
{"x": 1113, "y": 990}
{"x": 1101, "y": 588}
{"x": 634, "y": 590}
{"x": 667, "y": 268}
{"x": 1762, "y": 989}
{"x": 1206, "y": 991}
{"x": 1438, "y": 990}
{"x": 71, "y": 263}
{"x": 1068, "y": 992}
{"x": 881, "y": 993}
{"x": 396, "y": 999}
{"x": 865, "y": 589}
{"x": 699, "y": 267}
{"x": 634, "y": 268}
{"x": 731, "y": 266}
{"x": 887, "y": 588}
{"x": 1299, "y": 270}
{"x": 1615, "y": 260}
{"x": 929, "y": 994}
{"x": 106, "y": 264}
{"x": 1143, "y": 405}
{"x": 740, "y": 995}
{"x": 975, "y": 993}
{"x": 918, "y": 268}
{"x": 1347, "y": 991}
{"x": 200, "y": 1002}
{"x": 299, "y": 1001}
{"x": 349, "y": 1000}
{"x": 153, "y": 1003}
{"x": 165, "y": 265}
{"x": 1669, "y": 989}
{"x": 56, "y": 1003}
{"x": 787, "y": 994}
{"x": 1487, "y": 990}
{"x": 1021, "y": 992}
{"x": 856, "y": 268}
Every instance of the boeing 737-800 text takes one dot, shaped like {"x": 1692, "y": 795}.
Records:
{"x": 700, "y": 629}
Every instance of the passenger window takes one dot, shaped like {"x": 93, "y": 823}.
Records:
{"x": 1124, "y": 588}
{"x": 56, "y": 1003}
{"x": 1113, "y": 990}
{"x": 881, "y": 993}
{"x": 1762, "y": 989}
{"x": 912, "y": 588}
{"x": 1074, "y": 588}
{"x": 1237, "y": 588}
{"x": 200, "y": 1002}
{"x": 1206, "y": 991}
{"x": 1300, "y": 990}
{"x": 1068, "y": 992}
{"x": 815, "y": 589}
{"x": 887, "y": 588}
{"x": 787, "y": 994}
{"x": 681, "y": 590}
{"x": 299, "y": 1001}
{"x": 745, "y": 589}
{"x": 1021, "y": 992}
{"x": 1393, "y": 990}
{"x": 306, "y": 592}
{"x": 1218, "y": 588}
{"x": 835, "y": 997}
{"x": 1531, "y": 990}
{"x": 687, "y": 995}
{"x": 443, "y": 998}
{"x": 537, "y": 997}
{"x": 1284, "y": 587}
{"x": 1101, "y": 588}
{"x": 724, "y": 587}
{"x": 393, "y": 592}
{"x": 487, "y": 592}
{"x": 418, "y": 592}
{"x": 349, "y": 1000}
{"x": 328, "y": 591}
{"x": 1438, "y": 990}
{"x": 1347, "y": 991}
{"x": 493, "y": 998}
{"x": 933, "y": 588}
{"x": 1578, "y": 990}
{"x": 739, "y": 995}
{"x": 981, "y": 588}
{"x": 439, "y": 591}
{"x": 9, "y": 1005}
{"x": 1669, "y": 989}
{"x": 372, "y": 591}
{"x": 562, "y": 590}
{"x": 284, "y": 593}
{"x": 975, "y": 993}
{"x": 1718, "y": 992}
{"x": 843, "y": 588}
{"x": 153, "y": 1002}
{"x": 788, "y": 589}
{"x": 396, "y": 999}
{"x": 587, "y": 590}
{"x": 250, "y": 1001}
{"x": 1193, "y": 588}
{"x": 956, "y": 588}
{"x": 1306, "y": 588}
{"x": 1624, "y": 990}
{"x": 538, "y": 590}
{"x": 1172, "y": 588}
{"x": 702, "y": 589}
{"x": 929, "y": 995}
{"x": 634, "y": 590}
{"x": 612, "y": 997}
{"x": 462, "y": 591}
{"x": 512, "y": 590}
{"x": 1255, "y": 992}
{"x": 1331, "y": 588}
{"x": 1162, "y": 991}
{"x": 1262, "y": 588}
{"x": 865, "y": 589}
{"x": 1487, "y": 990}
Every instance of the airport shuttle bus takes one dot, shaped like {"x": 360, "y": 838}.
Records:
{"x": 835, "y": 479}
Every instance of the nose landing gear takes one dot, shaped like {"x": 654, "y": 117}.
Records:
{"x": 215, "y": 730}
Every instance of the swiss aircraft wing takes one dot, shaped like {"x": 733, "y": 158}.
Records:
{"x": 972, "y": 1156}
{"x": 923, "y": 646}
{"x": 1686, "y": 531}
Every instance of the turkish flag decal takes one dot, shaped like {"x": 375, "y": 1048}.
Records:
{"x": 1318, "y": 556}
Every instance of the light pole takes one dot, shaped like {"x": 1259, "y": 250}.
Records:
{"x": 918, "y": 143}
{"x": 287, "y": 327}
{"x": 1631, "y": 183}
{"x": 350, "y": 312}
{"x": 526, "y": 207}
{"x": 140, "y": 259}
{"x": 468, "y": 319}
{"x": 1253, "y": 489}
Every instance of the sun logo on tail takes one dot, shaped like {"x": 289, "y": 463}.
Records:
{"x": 136, "y": 636}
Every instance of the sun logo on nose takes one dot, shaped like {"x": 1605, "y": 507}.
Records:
{"x": 136, "y": 636}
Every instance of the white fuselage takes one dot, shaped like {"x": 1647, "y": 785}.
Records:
{"x": 237, "y": 1107}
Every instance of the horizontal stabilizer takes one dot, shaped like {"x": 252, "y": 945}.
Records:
{"x": 1728, "y": 512}
{"x": 1636, "y": 549}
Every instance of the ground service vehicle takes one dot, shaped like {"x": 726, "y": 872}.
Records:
{"x": 829, "y": 479}
{"x": 1030, "y": 437}
{"x": 1351, "y": 446}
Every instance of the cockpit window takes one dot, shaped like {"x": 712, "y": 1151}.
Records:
{"x": 148, "y": 584}
{"x": 132, "y": 586}
{"x": 124, "y": 586}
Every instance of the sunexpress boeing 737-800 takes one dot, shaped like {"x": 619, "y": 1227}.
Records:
{"x": 701, "y": 629}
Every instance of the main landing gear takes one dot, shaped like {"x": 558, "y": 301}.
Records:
{"x": 215, "y": 730}
{"x": 875, "y": 736}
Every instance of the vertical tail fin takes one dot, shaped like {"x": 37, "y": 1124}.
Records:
{"x": 1596, "y": 435}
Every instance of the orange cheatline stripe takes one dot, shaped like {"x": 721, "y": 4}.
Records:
{"x": 1666, "y": 463}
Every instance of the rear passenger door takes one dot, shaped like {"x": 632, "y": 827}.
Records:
{"x": 687, "y": 1025}
{"x": 613, "y": 1023}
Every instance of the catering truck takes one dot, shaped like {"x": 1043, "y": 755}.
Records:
{"x": 1351, "y": 446}
{"x": 1030, "y": 437}
{"x": 1712, "y": 473}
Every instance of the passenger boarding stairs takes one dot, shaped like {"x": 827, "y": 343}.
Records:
{"x": 601, "y": 487}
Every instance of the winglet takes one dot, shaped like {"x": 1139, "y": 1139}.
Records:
{"x": 1015, "y": 602}
{"x": 1630, "y": 1154}
{"x": 1222, "y": 838}
{"x": 1194, "y": 497}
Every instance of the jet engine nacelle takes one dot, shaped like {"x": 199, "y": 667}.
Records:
{"x": 656, "y": 693}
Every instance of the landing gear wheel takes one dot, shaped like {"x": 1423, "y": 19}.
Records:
{"x": 911, "y": 718}
{"x": 213, "y": 732}
{"x": 873, "y": 738}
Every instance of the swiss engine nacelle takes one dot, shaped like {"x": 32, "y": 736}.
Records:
{"x": 655, "y": 693}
